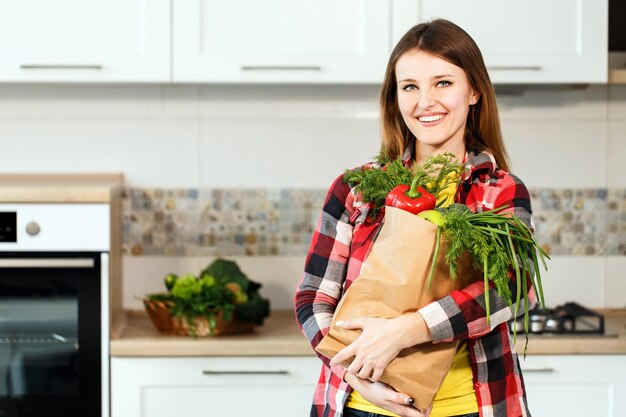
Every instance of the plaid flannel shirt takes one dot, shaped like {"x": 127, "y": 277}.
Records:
{"x": 339, "y": 246}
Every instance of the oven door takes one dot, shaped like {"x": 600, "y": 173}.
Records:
{"x": 50, "y": 334}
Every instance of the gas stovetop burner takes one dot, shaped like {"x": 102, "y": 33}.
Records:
{"x": 568, "y": 319}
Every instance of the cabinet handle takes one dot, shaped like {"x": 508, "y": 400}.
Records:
{"x": 515, "y": 68}
{"x": 281, "y": 68}
{"x": 277, "y": 372}
{"x": 61, "y": 66}
{"x": 46, "y": 263}
{"x": 539, "y": 370}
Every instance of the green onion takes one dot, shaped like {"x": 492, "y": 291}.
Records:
{"x": 435, "y": 255}
{"x": 499, "y": 243}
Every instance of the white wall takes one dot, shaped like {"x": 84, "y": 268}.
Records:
{"x": 299, "y": 136}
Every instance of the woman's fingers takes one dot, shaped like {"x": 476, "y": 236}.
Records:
{"x": 393, "y": 398}
{"x": 404, "y": 410}
{"x": 352, "y": 324}
{"x": 402, "y": 404}
{"x": 400, "y": 399}
{"x": 372, "y": 350}
{"x": 343, "y": 355}
{"x": 364, "y": 369}
{"x": 377, "y": 373}
{"x": 407, "y": 411}
{"x": 365, "y": 372}
{"x": 385, "y": 396}
{"x": 355, "y": 367}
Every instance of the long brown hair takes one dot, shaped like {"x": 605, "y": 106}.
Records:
{"x": 447, "y": 41}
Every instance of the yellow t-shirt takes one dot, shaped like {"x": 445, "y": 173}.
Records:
{"x": 456, "y": 395}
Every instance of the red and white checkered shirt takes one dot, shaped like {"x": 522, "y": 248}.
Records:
{"x": 339, "y": 246}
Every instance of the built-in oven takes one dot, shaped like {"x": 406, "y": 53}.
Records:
{"x": 54, "y": 356}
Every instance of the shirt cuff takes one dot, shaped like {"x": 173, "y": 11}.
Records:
{"x": 437, "y": 321}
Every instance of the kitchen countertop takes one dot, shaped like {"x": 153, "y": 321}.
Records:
{"x": 134, "y": 335}
{"x": 59, "y": 188}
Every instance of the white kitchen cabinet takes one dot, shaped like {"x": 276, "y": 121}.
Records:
{"x": 85, "y": 41}
{"x": 532, "y": 41}
{"x": 557, "y": 385}
{"x": 571, "y": 385}
{"x": 219, "y": 386}
{"x": 281, "y": 41}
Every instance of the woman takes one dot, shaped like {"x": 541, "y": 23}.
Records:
{"x": 436, "y": 97}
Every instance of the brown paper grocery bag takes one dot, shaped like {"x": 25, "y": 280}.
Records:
{"x": 393, "y": 281}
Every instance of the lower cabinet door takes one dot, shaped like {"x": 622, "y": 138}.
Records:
{"x": 575, "y": 385}
{"x": 190, "y": 387}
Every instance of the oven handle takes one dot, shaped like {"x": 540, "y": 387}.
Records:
{"x": 46, "y": 263}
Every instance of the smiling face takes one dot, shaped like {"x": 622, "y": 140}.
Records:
{"x": 434, "y": 97}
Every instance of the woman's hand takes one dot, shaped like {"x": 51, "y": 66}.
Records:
{"x": 384, "y": 396}
{"x": 380, "y": 342}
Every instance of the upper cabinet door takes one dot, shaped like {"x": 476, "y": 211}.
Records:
{"x": 281, "y": 41}
{"x": 531, "y": 41}
{"x": 85, "y": 41}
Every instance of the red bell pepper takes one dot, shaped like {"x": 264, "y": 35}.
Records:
{"x": 413, "y": 199}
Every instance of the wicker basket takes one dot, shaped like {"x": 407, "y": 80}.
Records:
{"x": 159, "y": 313}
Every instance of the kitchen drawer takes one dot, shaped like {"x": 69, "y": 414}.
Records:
{"x": 564, "y": 385}
{"x": 158, "y": 387}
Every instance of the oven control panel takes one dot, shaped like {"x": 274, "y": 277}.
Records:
{"x": 8, "y": 226}
{"x": 55, "y": 227}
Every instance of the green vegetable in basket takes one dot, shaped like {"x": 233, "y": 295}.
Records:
{"x": 170, "y": 280}
{"x": 256, "y": 309}
{"x": 226, "y": 271}
{"x": 222, "y": 290}
{"x": 252, "y": 307}
{"x": 194, "y": 297}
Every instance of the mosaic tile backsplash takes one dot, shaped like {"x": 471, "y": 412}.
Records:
{"x": 260, "y": 222}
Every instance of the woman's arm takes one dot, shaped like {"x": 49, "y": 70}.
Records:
{"x": 380, "y": 342}
{"x": 325, "y": 269}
